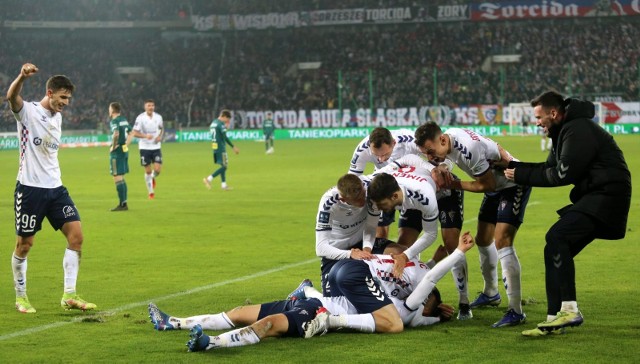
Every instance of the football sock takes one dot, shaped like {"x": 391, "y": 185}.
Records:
{"x": 312, "y": 292}
{"x": 121, "y": 187}
{"x": 210, "y": 178}
{"x": 238, "y": 337}
{"x": 569, "y": 306}
{"x": 488, "y": 266}
{"x": 148, "y": 179}
{"x": 422, "y": 290}
{"x": 511, "y": 277}
{"x": 551, "y": 318}
{"x": 19, "y": 267}
{"x": 70, "y": 264}
{"x": 362, "y": 322}
{"x": 219, "y": 321}
{"x": 460, "y": 278}
{"x": 223, "y": 185}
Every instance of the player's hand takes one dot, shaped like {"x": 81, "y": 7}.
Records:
{"x": 440, "y": 253}
{"x": 236, "y": 150}
{"x": 28, "y": 69}
{"x": 399, "y": 262}
{"x": 466, "y": 242}
{"x": 510, "y": 173}
{"x": 505, "y": 158}
{"x": 446, "y": 312}
{"x": 360, "y": 254}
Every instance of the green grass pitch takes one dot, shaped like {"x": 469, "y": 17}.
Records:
{"x": 194, "y": 251}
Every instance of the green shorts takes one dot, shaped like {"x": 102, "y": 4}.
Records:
{"x": 119, "y": 163}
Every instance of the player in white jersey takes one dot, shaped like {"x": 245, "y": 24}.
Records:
{"x": 501, "y": 212}
{"x": 384, "y": 148}
{"x": 345, "y": 221}
{"x": 379, "y": 148}
{"x": 149, "y": 129}
{"x": 364, "y": 307}
{"x": 39, "y": 191}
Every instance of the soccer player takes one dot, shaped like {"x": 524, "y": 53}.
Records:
{"x": 501, "y": 212}
{"x": 268, "y": 128}
{"x": 600, "y": 198}
{"x": 39, "y": 191}
{"x": 219, "y": 139}
{"x": 381, "y": 148}
{"x": 119, "y": 153}
{"x": 150, "y": 130}
{"x": 345, "y": 224}
{"x": 365, "y": 306}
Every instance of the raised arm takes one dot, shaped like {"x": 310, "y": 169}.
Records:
{"x": 13, "y": 94}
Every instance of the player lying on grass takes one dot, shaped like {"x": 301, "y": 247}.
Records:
{"x": 364, "y": 307}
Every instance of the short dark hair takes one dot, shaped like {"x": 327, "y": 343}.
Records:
{"x": 382, "y": 186}
{"x": 149, "y": 101}
{"x": 427, "y": 131}
{"x": 116, "y": 107}
{"x": 60, "y": 82}
{"x": 549, "y": 100}
{"x": 350, "y": 186}
{"x": 380, "y": 136}
{"x": 225, "y": 113}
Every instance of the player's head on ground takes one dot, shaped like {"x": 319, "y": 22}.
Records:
{"x": 149, "y": 106}
{"x": 225, "y": 116}
{"x": 548, "y": 109}
{"x": 432, "y": 142}
{"x": 381, "y": 143}
{"x": 59, "y": 92}
{"x": 385, "y": 192}
{"x": 352, "y": 190}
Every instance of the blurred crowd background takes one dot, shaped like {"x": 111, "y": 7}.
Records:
{"x": 399, "y": 65}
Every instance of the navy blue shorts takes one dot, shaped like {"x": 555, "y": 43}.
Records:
{"x": 505, "y": 206}
{"x": 33, "y": 204}
{"x": 353, "y": 280}
{"x": 148, "y": 156}
{"x": 451, "y": 213}
{"x": 297, "y": 311}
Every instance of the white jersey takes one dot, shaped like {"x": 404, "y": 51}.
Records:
{"x": 39, "y": 133}
{"x": 339, "y": 226}
{"x": 149, "y": 125}
{"x": 419, "y": 192}
{"x": 475, "y": 154}
{"x": 405, "y": 144}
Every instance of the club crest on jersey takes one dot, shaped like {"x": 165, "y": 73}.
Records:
{"x": 68, "y": 211}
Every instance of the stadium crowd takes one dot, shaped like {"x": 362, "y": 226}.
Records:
{"x": 189, "y": 76}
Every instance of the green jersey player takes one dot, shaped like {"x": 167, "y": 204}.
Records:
{"x": 268, "y": 128}
{"x": 219, "y": 140}
{"x": 119, "y": 153}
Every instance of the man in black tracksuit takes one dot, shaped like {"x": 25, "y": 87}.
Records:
{"x": 584, "y": 155}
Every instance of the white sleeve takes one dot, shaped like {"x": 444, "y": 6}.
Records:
{"x": 429, "y": 235}
{"x": 370, "y": 227}
{"x": 412, "y": 318}
{"x": 360, "y": 158}
{"x": 326, "y": 250}
{"x": 424, "y": 288}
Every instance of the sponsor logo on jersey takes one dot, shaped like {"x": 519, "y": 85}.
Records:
{"x": 38, "y": 141}
{"x": 323, "y": 217}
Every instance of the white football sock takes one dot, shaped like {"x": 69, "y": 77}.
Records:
{"x": 70, "y": 265}
{"x": 460, "y": 278}
{"x": 489, "y": 268}
{"x": 238, "y": 337}
{"x": 148, "y": 180}
{"x": 362, "y": 322}
{"x": 569, "y": 306}
{"x": 219, "y": 321}
{"x": 312, "y": 292}
{"x": 19, "y": 267}
{"x": 511, "y": 277}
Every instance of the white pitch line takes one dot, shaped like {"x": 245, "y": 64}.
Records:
{"x": 157, "y": 299}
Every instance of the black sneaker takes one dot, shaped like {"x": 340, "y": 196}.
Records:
{"x": 464, "y": 312}
{"x": 122, "y": 207}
